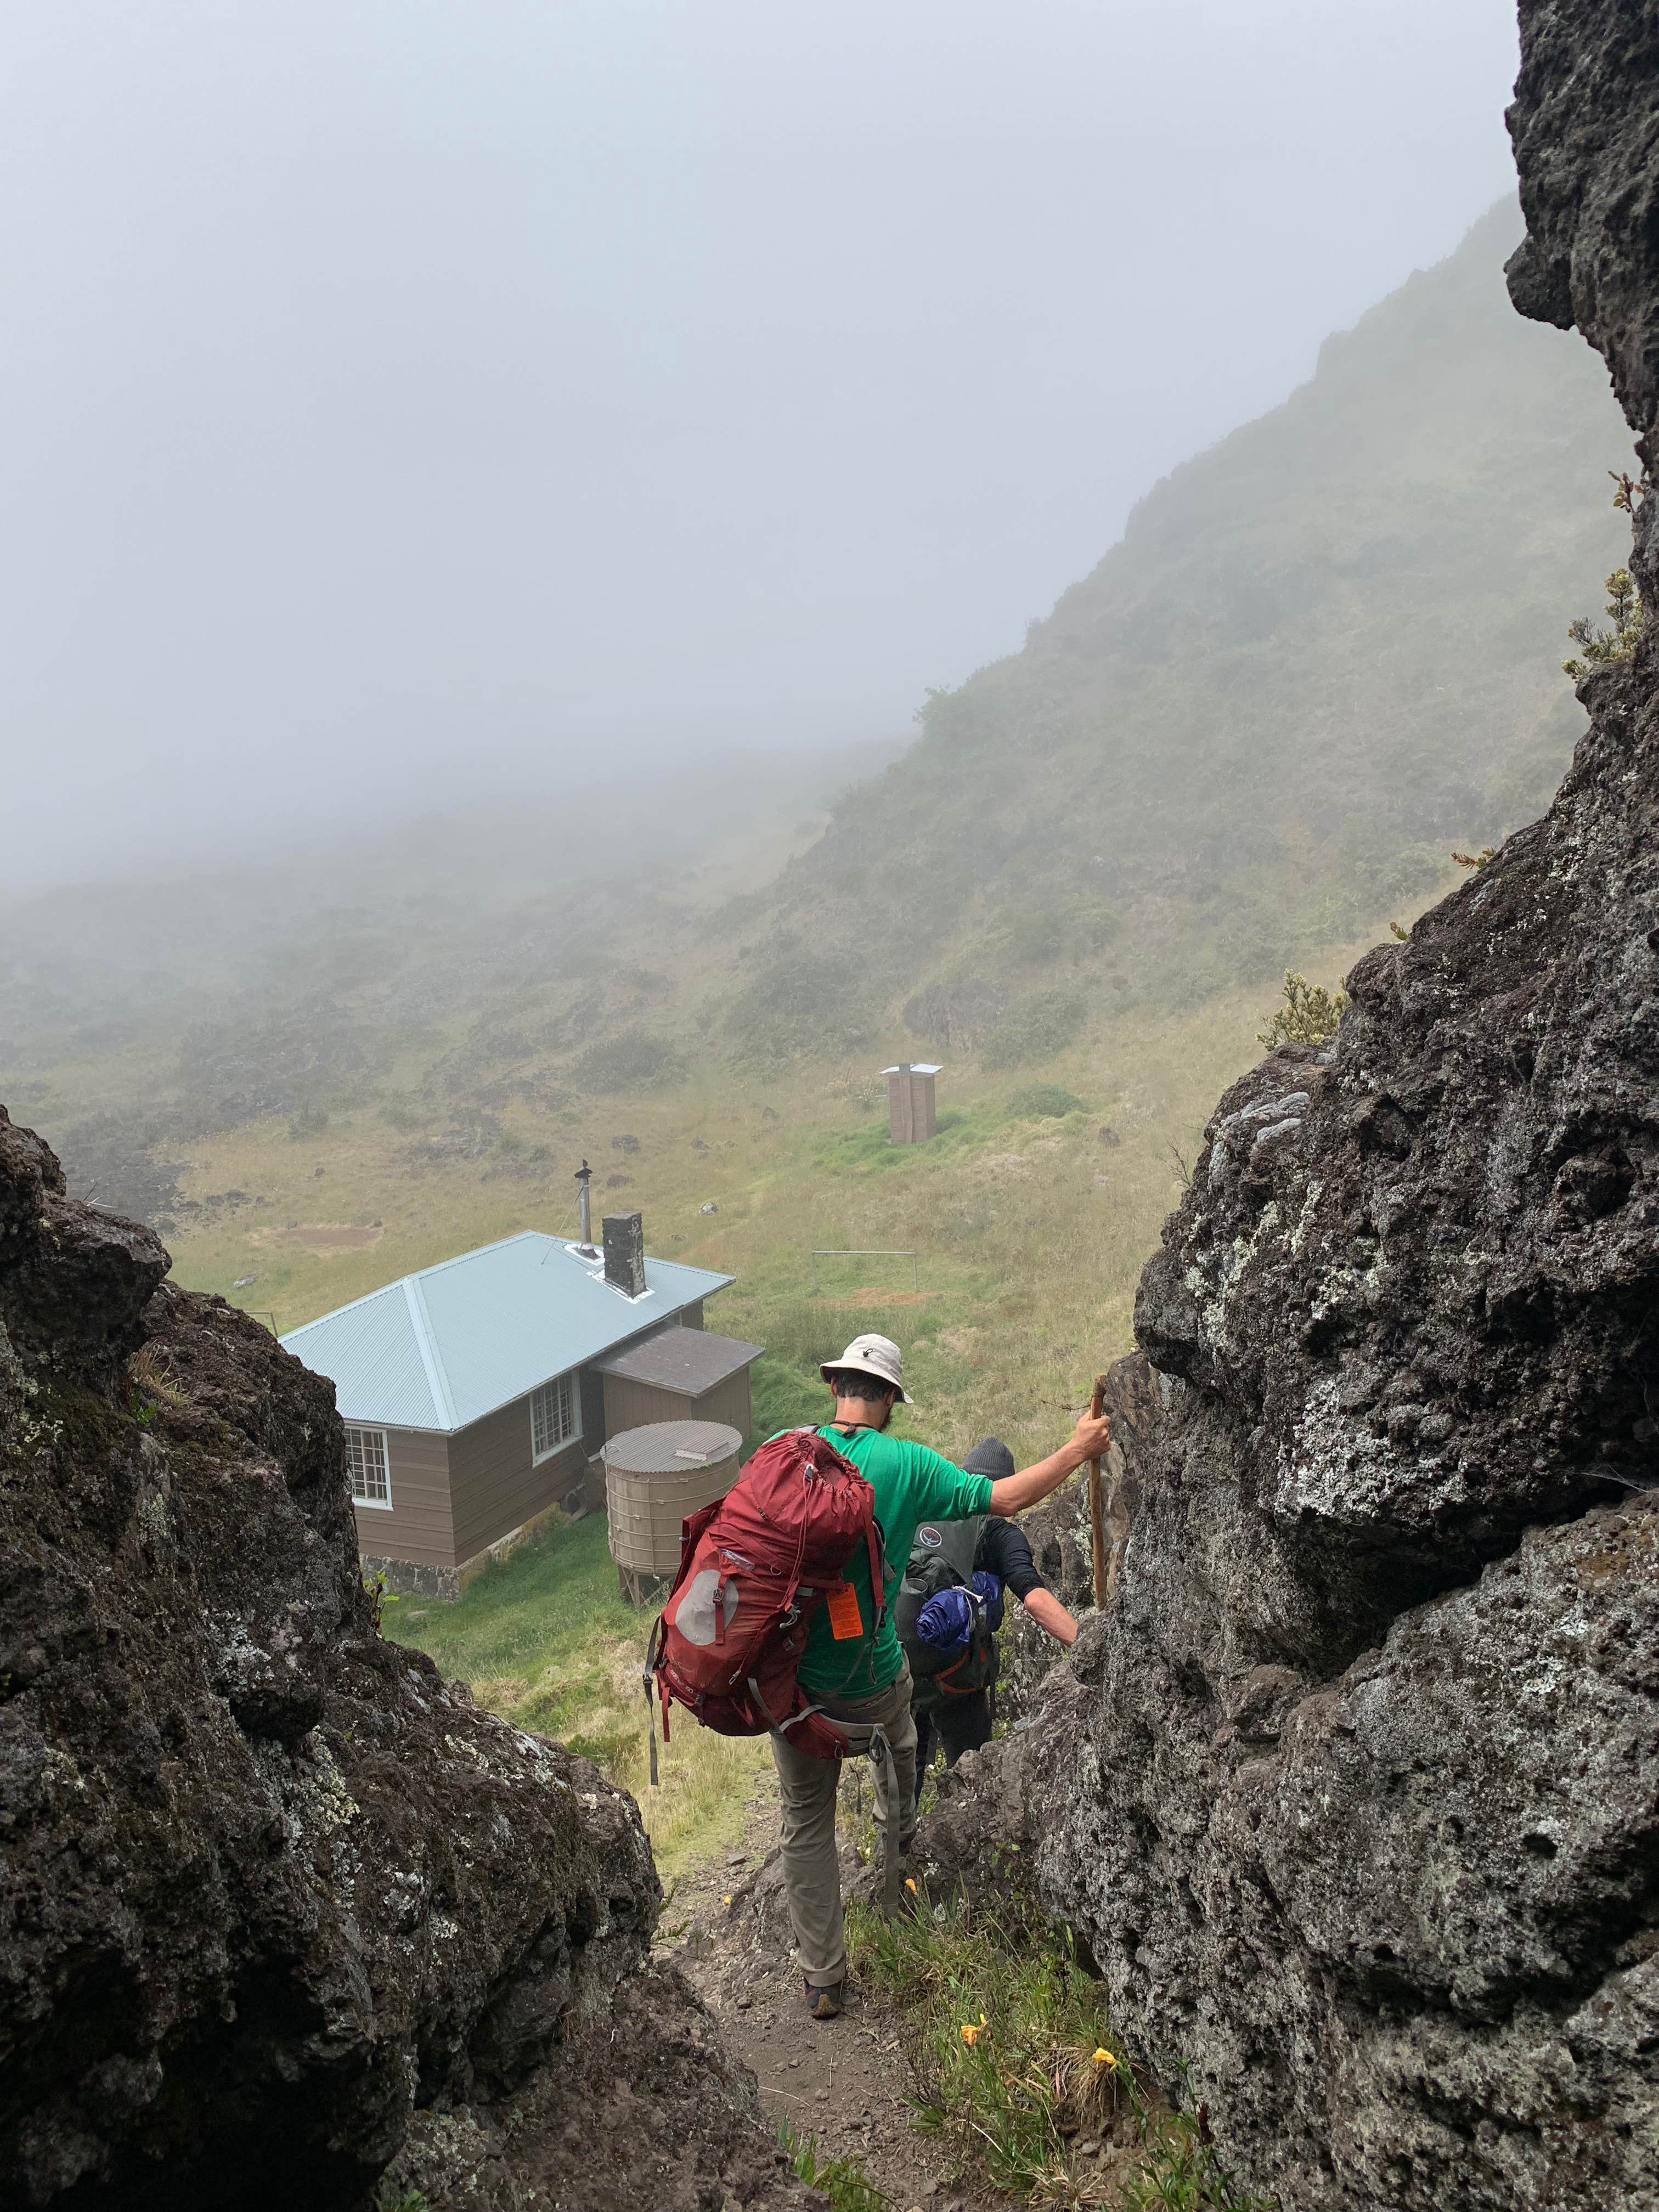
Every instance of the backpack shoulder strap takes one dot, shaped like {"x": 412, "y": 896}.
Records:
{"x": 877, "y": 1571}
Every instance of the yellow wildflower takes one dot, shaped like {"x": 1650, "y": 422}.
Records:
{"x": 910, "y": 1884}
{"x": 1104, "y": 2058}
{"x": 725, "y": 1900}
{"x": 970, "y": 2033}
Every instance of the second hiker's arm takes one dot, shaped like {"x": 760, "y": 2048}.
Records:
{"x": 1050, "y": 1614}
{"x": 1089, "y": 1440}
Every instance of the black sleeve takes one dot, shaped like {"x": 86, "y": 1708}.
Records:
{"x": 1004, "y": 1551}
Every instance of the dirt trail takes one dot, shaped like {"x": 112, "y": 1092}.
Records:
{"x": 840, "y": 2081}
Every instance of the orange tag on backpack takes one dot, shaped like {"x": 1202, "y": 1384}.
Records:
{"x": 845, "y": 1619}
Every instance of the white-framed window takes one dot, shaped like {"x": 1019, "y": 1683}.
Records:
{"x": 554, "y": 1417}
{"x": 371, "y": 1474}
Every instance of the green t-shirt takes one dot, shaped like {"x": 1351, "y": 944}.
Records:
{"x": 912, "y": 1484}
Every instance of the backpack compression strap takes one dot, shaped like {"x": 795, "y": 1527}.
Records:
{"x": 653, "y": 1651}
{"x": 878, "y": 1572}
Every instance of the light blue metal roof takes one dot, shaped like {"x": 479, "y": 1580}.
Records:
{"x": 441, "y": 1348}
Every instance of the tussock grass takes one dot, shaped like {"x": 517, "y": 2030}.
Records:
{"x": 1014, "y": 2063}
{"x": 843, "y": 2180}
{"x": 545, "y": 1640}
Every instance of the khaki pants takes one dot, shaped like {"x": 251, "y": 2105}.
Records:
{"x": 811, "y": 1868}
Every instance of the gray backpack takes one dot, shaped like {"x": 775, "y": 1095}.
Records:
{"x": 941, "y": 1558}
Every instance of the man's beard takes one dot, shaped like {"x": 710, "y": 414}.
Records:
{"x": 868, "y": 1406}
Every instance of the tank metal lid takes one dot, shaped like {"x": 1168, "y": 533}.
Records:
{"x": 671, "y": 1447}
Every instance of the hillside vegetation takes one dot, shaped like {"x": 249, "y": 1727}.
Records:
{"x": 1323, "y": 652}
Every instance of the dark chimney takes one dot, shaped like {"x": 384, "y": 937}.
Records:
{"x": 624, "y": 1252}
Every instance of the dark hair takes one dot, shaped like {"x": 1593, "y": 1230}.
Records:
{"x": 854, "y": 1382}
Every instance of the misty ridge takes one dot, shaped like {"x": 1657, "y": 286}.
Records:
{"x": 1324, "y": 651}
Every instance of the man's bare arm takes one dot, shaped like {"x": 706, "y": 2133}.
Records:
{"x": 1015, "y": 1492}
{"x": 1050, "y": 1614}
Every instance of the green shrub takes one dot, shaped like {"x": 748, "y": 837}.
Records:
{"x": 1598, "y": 647}
{"x": 960, "y": 1014}
{"x": 1035, "y": 936}
{"x": 801, "y": 1002}
{"x": 1184, "y": 2172}
{"x": 633, "y": 1060}
{"x": 1045, "y": 1102}
{"x": 1000, "y": 2031}
{"x": 1035, "y": 1028}
{"x": 1308, "y": 1014}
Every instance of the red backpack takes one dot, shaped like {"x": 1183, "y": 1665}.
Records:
{"x": 754, "y": 1567}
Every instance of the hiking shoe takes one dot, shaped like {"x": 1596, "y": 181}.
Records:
{"x": 823, "y": 2004}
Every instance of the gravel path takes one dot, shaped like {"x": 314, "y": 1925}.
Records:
{"x": 843, "y": 2083}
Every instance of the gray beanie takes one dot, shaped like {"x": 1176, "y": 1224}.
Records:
{"x": 990, "y": 1456}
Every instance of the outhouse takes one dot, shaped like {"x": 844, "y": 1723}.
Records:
{"x": 910, "y": 1119}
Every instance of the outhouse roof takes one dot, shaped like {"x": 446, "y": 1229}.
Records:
{"x": 688, "y": 1360}
{"x": 445, "y": 1347}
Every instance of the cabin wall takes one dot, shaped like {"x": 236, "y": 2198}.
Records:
{"x": 419, "y": 1525}
{"x": 591, "y": 1387}
{"x": 631, "y": 1405}
{"x": 597, "y": 1423}
{"x": 729, "y": 1401}
{"x": 452, "y": 1497}
{"x": 494, "y": 1484}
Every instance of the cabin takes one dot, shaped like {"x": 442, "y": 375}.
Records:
{"x": 477, "y": 1395}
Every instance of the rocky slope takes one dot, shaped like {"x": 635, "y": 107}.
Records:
{"x": 1354, "y": 1793}
{"x": 271, "y": 1891}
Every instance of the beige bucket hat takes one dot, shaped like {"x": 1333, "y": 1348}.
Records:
{"x": 873, "y": 1355}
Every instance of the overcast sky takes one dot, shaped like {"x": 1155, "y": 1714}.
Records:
{"x": 409, "y": 400}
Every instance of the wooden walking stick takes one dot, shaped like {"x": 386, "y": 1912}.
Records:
{"x": 1096, "y": 1503}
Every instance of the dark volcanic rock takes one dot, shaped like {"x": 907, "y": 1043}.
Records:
{"x": 653, "y": 2112}
{"x": 267, "y": 1884}
{"x": 1585, "y": 125}
{"x": 1354, "y": 1793}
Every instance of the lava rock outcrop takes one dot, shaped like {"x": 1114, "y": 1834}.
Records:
{"x": 269, "y": 1887}
{"x": 1354, "y": 1792}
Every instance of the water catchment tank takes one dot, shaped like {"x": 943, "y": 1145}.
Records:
{"x": 654, "y": 1479}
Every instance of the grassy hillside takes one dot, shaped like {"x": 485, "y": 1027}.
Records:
{"x": 1031, "y": 1212}
{"x": 420, "y": 968}
{"x": 1324, "y": 651}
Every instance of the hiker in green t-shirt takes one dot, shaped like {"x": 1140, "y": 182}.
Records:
{"x": 859, "y": 1677}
